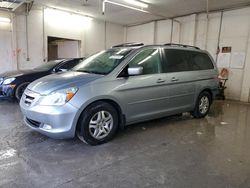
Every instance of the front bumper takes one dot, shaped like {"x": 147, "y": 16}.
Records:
{"x": 1, "y": 93}
{"x": 7, "y": 90}
{"x": 53, "y": 121}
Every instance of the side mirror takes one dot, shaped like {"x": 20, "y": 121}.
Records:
{"x": 59, "y": 70}
{"x": 62, "y": 70}
{"x": 135, "y": 71}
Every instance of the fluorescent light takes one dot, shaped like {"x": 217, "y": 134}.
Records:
{"x": 126, "y": 6}
{"x": 5, "y": 20}
{"x": 5, "y": 4}
{"x": 86, "y": 17}
{"x": 64, "y": 20}
{"x": 137, "y": 3}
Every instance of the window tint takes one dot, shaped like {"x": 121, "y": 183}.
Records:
{"x": 148, "y": 59}
{"x": 200, "y": 61}
{"x": 69, "y": 64}
{"x": 176, "y": 60}
{"x": 181, "y": 60}
{"x": 48, "y": 66}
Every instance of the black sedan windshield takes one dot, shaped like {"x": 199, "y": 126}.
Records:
{"x": 48, "y": 66}
{"x": 103, "y": 62}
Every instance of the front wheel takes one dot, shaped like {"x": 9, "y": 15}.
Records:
{"x": 202, "y": 105}
{"x": 98, "y": 123}
{"x": 20, "y": 90}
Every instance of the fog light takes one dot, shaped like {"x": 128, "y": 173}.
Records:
{"x": 47, "y": 127}
{"x": 12, "y": 86}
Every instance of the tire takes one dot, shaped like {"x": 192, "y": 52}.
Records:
{"x": 98, "y": 123}
{"x": 20, "y": 89}
{"x": 202, "y": 106}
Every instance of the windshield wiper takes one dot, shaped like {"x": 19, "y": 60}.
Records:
{"x": 90, "y": 72}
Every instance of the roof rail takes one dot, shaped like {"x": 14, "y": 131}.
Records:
{"x": 128, "y": 45}
{"x": 182, "y": 45}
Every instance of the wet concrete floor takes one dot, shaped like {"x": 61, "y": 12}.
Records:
{"x": 169, "y": 152}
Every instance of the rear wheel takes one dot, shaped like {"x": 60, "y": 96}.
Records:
{"x": 20, "y": 90}
{"x": 202, "y": 105}
{"x": 98, "y": 123}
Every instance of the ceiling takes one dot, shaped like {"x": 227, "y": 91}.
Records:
{"x": 158, "y": 9}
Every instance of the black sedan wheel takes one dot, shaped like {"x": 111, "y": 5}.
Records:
{"x": 20, "y": 90}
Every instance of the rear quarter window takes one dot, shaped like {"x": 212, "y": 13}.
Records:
{"x": 200, "y": 61}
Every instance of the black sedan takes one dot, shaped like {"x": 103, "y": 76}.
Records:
{"x": 13, "y": 84}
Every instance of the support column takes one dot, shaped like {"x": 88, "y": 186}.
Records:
{"x": 245, "y": 90}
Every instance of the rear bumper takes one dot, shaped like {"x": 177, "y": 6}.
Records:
{"x": 215, "y": 92}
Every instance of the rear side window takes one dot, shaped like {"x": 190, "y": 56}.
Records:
{"x": 200, "y": 61}
{"x": 181, "y": 60}
{"x": 149, "y": 59}
{"x": 176, "y": 60}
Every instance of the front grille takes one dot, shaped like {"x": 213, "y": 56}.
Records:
{"x": 28, "y": 100}
{"x": 29, "y": 97}
{"x": 33, "y": 122}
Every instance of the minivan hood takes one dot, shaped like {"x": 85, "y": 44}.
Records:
{"x": 48, "y": 84}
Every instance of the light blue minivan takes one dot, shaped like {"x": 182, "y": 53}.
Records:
{"x": 126, "y": 84}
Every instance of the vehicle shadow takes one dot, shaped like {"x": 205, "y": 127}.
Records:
{"x": 30, "y": 137}
{"x": 6, "y": 99}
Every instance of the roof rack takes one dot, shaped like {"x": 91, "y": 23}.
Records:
{"x": 182, "y": 45}
{"x": 128, "y": 45}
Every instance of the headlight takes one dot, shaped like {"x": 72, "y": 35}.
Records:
{"x": 8, "y": 81}
{"x": 58, "y": 98}
{"x": 1, "y": 81}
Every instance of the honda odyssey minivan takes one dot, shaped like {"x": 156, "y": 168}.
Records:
{"x": 126, "y": 84}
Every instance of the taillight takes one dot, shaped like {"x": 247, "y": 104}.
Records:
{"x": 218, "y": 78}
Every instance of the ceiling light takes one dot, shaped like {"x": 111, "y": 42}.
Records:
{"x": 65, "y": 10}
{"x": 122, "y": 5}
{"x": 5, "y": 20}
{"x": 137, "y": 3}
{"x": 62, "y": 19}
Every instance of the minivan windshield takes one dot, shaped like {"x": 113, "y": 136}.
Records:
{"x": 103, "y": 62}
{"x": 48, "y": 66}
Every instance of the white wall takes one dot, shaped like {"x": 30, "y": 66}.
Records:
{"x": 102, "y": 35}
{"x": 5, "y": 49}
{"x": 93, "y": 35}
{"x": 163, "y": 32}
{"x": 68, "y": 49}
{"x": 6, "y": 53}
{"x": 197, "y": 30}
{"x": 97, "y": 35}
{"x": 114, "y": 34}
{"x": 29, "y": 49}
{"x": 235, "y": 32}
{"x": 188, "y": 29}
{"x": 141, "y": 33}
{"x": 158, "y": 32}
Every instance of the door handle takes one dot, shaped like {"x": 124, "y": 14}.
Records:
{"x": 160, "y": 80}
{"x": 174, "y": 79}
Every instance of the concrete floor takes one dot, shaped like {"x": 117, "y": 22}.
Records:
{"x": 169, "y": 152}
